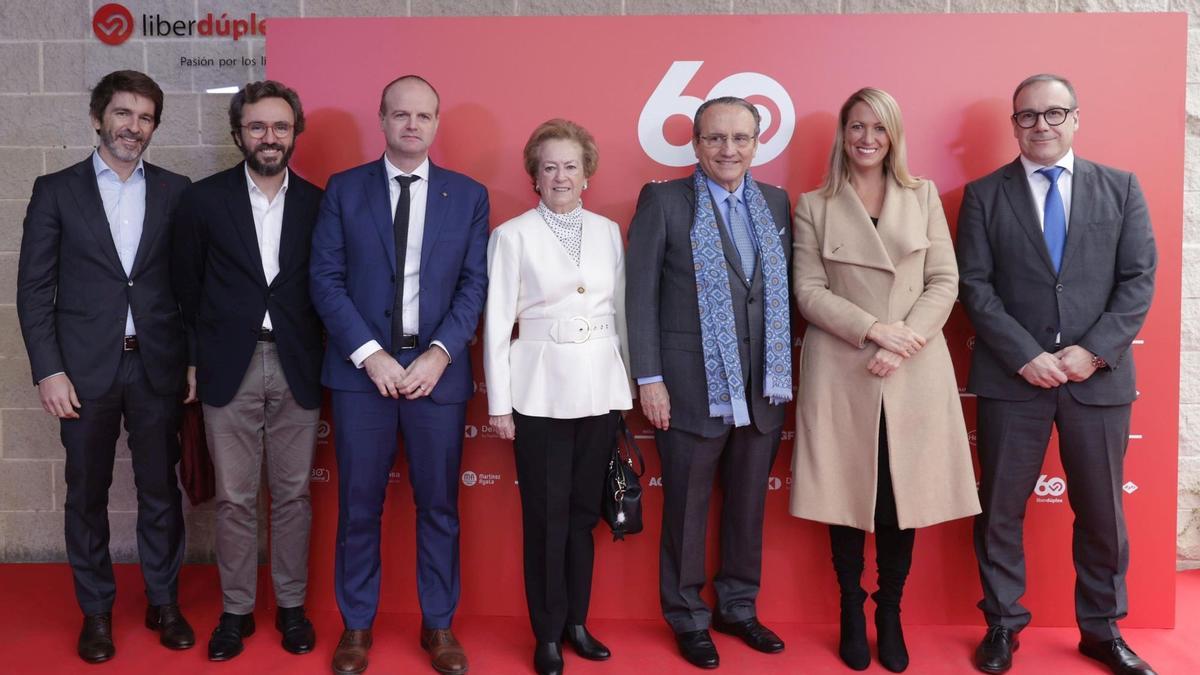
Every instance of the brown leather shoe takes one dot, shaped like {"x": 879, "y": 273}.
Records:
{"x": 445, "y": 653}
{"x": 350, "y": 657}
{"x": 174, "y": 630}
{"x": 95, "y": 638}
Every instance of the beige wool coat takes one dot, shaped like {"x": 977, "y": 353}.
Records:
{"x": 848, "y": 274}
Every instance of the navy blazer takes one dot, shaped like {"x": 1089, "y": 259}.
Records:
{"x": 218, "y": 277}
{"x": 354, "y": 277}
{"x": 1018, "y": 304}
{"x": 73, "y": 293}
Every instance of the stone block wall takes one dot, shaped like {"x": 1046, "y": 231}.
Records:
{"x": 49, "y": 58}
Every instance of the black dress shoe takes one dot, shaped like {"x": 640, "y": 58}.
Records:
{"x": 298, "y": 634}
{"x": 752, "y": 633}
{"x": 584, "y": 644}
{"x": 174, "y": 632}
{"x": 226, "y": 640}
{"x": 547, "y": 658}
{"x": 995, "y": 653}
{"x": 1117, "y": 656}
{"x": 95, "y": 638}
{"x": 698, "y": 649}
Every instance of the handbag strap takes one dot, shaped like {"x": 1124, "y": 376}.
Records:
{"x": 631, "y": 447}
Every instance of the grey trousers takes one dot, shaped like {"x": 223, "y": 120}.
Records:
{"x": 741, "y": 458}
{"x": 262, "y": 416}
{"x": 1012, "y": 446}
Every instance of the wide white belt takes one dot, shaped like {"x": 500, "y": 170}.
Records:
{"x": 577, "y": 329}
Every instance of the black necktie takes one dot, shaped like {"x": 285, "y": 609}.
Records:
{"x": 400, "y": 229}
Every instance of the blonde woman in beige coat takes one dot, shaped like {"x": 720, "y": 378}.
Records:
{"x": 880, "y": 441}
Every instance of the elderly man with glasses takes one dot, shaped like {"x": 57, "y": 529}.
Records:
{"x": 710, "y": 346}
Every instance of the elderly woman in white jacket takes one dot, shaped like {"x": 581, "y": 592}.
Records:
{"x": 556, "y": 273}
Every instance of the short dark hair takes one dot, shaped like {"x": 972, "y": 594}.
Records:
{"x": 416, "y": 78}
{"x": 130, "y": 81}
{"x": 560, "y": 129}
{"x": 1045, "y": 77}
{"x": 257, "y": 91}
{"x": 726, "y": 100}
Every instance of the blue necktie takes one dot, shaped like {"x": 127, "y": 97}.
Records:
{"x": 742, "y": 238}
{"x": 1054, "y": 221}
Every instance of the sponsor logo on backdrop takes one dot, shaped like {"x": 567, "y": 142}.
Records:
{"x": 972, "y": 437}
{"x": 668, "y": 100}
{"x": 775, "y": 483}
{"x": 395, "y": 477}
{"x": 319, "y": 475}
{"x": 472, "y": 479}
{"x": 788, "y": 435}
{"x": 323, "y": 429}
{"x": 1049, "y": 489}
{"x": 470, "y": 431}
{"x": 971, "y": 343}
{"x": 112, "y": 23}
{"x": 655, "y": 481}
{"x": 1129, "y": 487}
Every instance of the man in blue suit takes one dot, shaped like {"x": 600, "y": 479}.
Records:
{"x": 399, "y": 276}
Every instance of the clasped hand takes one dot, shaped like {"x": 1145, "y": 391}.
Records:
{"x": 394, "y": 380}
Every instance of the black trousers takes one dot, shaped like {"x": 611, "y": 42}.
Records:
{"x": 152, "y": 421}
{"x": 893, "y": 546}
{"x": 561, "y": 464}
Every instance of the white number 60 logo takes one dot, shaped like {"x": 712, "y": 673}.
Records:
{"x": 668, "y": 100}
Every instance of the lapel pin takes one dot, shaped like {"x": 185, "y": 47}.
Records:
{"x": 445, "y": 195}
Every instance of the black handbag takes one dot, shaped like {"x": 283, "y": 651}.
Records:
{"x": 622, "y": 506}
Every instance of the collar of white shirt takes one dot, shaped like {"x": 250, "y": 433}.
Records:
{"x": 254, "y": 189}
{"x": 101, "y": 167}
{"x": 422, "y": 171}
{"x": 1067, "y": 162}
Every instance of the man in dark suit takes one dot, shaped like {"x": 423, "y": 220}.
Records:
{"x": 1056, "y": 259}
{"x": 399, "y": 276}
{"x": 240, "y": 267}
{"x": 105, "y": 341}
{"x": 713, "y": 388}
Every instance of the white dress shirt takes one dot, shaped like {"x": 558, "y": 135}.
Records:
{"x": 1039, "y": 186}
{"x": 411, "y": 290}
{"x": 268, "y": 226}
{"x": 125, "y": 208}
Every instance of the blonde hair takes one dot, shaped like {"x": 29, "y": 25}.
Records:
{"x": 896, "y": 163}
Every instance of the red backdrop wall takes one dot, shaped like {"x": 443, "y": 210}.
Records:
{"x": 634, "y": 82}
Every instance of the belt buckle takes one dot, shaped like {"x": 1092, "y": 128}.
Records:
{"x": 582, "y": 335}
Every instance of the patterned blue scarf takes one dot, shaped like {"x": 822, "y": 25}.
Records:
{"x": 718, "y": 333}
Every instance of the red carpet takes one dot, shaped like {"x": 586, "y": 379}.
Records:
{"x": 40, "y": 623}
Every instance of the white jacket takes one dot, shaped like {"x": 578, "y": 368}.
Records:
{"x": 567, "y": 362}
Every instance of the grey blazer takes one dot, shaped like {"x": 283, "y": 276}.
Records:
{"x": 1098, "y": 300}
{"x": 663, "y": 314}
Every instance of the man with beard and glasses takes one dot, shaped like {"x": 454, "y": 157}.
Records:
{"x": 105, "y": 341}
{"x": 240, "y": 269}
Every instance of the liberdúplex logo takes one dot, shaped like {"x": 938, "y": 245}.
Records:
{"x": 113, "y": 24}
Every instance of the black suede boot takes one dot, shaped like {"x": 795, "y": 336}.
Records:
{"x": 893, "y": 555}
{"x": 847, "y": 546}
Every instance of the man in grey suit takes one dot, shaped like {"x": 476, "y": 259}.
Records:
{"x": 713, "y": 367}
{"x": 1056, "y": 259}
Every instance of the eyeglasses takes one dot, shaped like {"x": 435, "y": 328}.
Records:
{"x": 259, "y": 129}
{"x": 1028, "y": 119}
{"x": 718, "y": 140}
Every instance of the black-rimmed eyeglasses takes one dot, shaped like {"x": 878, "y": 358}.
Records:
{"x": 1028, "y": 119}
